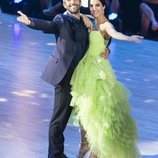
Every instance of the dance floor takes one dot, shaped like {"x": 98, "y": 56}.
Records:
{"x": 26, "y": 102}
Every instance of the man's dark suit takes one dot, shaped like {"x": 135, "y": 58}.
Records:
{"x": 72, "y": 43}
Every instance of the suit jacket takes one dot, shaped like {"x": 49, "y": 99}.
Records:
{"x": 60, "y": 60}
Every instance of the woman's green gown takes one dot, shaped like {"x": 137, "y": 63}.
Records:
{"x": 101, "y": 104}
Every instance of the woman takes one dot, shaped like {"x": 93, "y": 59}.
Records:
{"x": 100, "y": 101}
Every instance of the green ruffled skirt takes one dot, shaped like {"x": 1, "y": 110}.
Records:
{"x": 101, "y": 105}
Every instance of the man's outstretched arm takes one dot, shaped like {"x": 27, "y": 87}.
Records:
{"x": 43, "y": 25}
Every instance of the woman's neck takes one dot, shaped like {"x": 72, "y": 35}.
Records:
{"x": 100, "y": 20}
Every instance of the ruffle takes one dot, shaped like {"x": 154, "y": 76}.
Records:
{"x": 102, "y": 107}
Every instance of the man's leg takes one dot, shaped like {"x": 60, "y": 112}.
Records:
{"x": 147, "y": 11}
{"x": 61, "y": 114}
{"x": 145, "y": 24}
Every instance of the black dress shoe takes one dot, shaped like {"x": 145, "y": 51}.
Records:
{"x": 59, "y": 156}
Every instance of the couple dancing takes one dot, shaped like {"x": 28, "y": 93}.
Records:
{"x": 84, "y": 81}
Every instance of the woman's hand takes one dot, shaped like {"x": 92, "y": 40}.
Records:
{"x": 87, "y": 22}
{"x": 23, "y": 18}
{"x": 135, "y": 38}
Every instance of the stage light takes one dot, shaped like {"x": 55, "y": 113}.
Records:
{"x": 17, "y": 1}
{"x": 85, "y": 3}
{"x": 113, "y": 16}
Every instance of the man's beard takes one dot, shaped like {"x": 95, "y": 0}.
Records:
{"x": 75, "y": 12}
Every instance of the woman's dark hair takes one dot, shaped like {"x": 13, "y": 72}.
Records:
{"x": 104, "y": 3}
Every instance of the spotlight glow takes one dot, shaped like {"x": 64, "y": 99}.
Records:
{"x": 112, "y": 16}
{"x": 85, "y": 3}
{"x": 17, "y": 1}
{"x": 3, "y": 100}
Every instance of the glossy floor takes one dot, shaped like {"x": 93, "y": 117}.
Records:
{"x": 26, "y": 102}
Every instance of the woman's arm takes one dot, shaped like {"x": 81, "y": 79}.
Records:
{"x": 108, "y": 27}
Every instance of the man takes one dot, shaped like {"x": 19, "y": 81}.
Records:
{"x": 72, "y": 42}
{"x": 149, "y": 16}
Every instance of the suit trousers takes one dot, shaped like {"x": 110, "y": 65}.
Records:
{"x": 61, "y": 113}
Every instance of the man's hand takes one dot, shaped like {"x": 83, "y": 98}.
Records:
{"x": 105, "y": 54}
{"x": 87, "y": 22}
{"x": 23, "y": 18}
